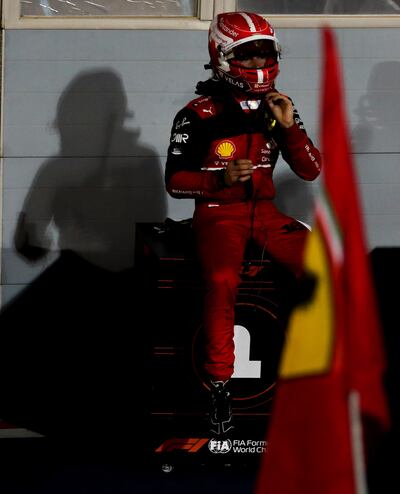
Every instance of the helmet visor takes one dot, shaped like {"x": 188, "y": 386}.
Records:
{"x": 261, "y": 48}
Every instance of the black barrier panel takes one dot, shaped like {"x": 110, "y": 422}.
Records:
{"x": 171, "y": 276}
{"x": 384, "y": 459}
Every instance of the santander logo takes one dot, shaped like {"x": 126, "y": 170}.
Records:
{"x": 228, "y": 30}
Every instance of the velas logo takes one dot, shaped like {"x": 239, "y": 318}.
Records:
{"x": 225, "y": 149}
{"x": 234, "y": 82}
{"x": 188, "y": 444}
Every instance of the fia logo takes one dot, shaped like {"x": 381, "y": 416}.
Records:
{"x": 219, "y": 446}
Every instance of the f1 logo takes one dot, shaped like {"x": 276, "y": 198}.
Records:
{"x": 191, "y": 444}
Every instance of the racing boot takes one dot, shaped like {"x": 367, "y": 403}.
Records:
{"x": 221, "y": 421}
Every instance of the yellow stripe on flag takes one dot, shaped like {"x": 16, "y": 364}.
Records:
{"x": 309, "y": 346}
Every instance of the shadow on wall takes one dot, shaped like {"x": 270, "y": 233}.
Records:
{"x": 378, "y": 109}
{"x": 73, "y": 361}
{"x": 89, "y": 197}
{"x": 294, "y": 197}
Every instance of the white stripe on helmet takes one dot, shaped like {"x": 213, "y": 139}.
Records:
{"x": 249, "y": 22}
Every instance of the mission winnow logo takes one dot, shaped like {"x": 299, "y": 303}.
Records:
{"x": 215, "y": 446}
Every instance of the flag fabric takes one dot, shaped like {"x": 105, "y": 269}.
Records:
{"x": 330, "y": 376}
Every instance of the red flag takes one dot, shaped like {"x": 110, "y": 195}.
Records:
{"x": 332, "y": 364}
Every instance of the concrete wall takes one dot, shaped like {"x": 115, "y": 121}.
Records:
{"x": 87, "y": 116}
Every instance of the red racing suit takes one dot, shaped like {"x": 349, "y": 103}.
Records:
{"x": 206, "y": 134}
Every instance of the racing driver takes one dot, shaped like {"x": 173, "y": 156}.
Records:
{"x": 223, "y": 149}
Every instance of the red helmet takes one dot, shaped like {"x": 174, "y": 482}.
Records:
{"x": 231, "y": 30}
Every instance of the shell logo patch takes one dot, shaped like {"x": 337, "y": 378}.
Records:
{"x": 225, "y": 149}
